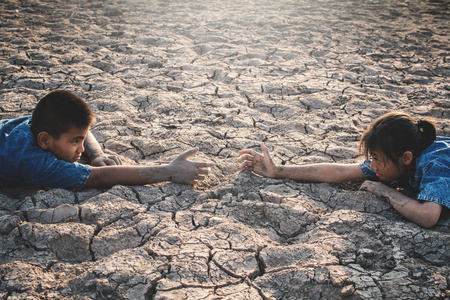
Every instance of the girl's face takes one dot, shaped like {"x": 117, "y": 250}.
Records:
{"x": 386, "y": 169}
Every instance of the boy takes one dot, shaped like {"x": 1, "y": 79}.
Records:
{"x": 44, "y": 149}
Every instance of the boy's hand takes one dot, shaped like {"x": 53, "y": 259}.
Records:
{"x": 186, "y": 171}
{"x": 261, "y": 164}
{"x": 106, "y": 160}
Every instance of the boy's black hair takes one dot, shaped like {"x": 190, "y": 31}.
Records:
{"x": 58, "y": 112}
{"x": 395, "y": 133}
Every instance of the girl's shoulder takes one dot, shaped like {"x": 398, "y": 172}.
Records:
{"x": 443, "y": 139}
{"x": 441, "y": 144}
{"x": 436, "y": 153}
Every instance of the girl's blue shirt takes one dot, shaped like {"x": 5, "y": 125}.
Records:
{"x": 22, "y": 161}
{"x": 431, "y": 181}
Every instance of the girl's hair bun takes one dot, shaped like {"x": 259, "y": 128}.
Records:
{"x": 427, "y": 131}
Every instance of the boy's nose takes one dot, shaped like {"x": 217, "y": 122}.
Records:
{"x": 81, "y": 148}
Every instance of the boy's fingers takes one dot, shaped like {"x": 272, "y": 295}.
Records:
{"x": 100, "y": 163}
{"x": 203, "y": 171}
{"x": 199, "y": 177}
{"x": 117, "y": 160}
{"x": 204, "y": 165}
{"x": 188, "y": 153}
{"x": 110, "y": 162}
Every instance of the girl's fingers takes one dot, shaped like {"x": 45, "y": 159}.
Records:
{"x": 247, "y": 151}
{"x": 246, "y": 166}
{"x": 265, "y": 150}
{"x": 245, "y": 157}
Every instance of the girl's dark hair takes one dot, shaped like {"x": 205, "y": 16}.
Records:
{"x": 58, "y": 112}
{"x": 395, "y": 133}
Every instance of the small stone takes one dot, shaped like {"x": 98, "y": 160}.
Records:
{"x": 348, "y": 290}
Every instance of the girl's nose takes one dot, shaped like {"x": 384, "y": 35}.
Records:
{"x": 373, "y": 165}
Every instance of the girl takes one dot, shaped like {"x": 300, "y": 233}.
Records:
{"x": 396, "y": 148}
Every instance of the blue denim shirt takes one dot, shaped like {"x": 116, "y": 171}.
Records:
{"x": 22, "y": 161}
{"x": 431, "y": 181}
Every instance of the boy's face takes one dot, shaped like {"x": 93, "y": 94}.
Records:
{"x": 70, "y": 145}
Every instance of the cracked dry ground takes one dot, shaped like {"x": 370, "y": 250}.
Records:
{"x": 305, "y": 77}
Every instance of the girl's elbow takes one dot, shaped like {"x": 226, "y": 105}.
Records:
{"x": 429, "y": 221}
{"x": 430, "y": 216}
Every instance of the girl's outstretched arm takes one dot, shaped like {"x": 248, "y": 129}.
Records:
{"x": 425, "y": 214}
{"x": 262, "y": 164}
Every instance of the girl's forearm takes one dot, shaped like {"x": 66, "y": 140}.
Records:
{"x": 425, "y": 214}
{"x": 324, "y": 172}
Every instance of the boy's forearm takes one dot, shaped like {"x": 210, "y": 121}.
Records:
{"x": 91, "y": 147}
{"x": 128, "y": 175}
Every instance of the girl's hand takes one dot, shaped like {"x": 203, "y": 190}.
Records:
{"x": 423, "y": 213}
{"x": 261, "y": 164}
{"x": 380, "y": 189}
{"x": 375, "y": 187}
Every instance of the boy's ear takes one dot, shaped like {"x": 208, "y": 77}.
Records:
{"x": 407, "y": 158}
{"x": 43, "y": 139}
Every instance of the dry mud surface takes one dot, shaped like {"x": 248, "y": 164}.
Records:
{"x": 163, "y": 76}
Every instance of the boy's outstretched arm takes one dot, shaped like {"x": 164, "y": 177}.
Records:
{"x": 262, "y": 164}
{"x": 180, "y": 170}
{"x": 96, "y": 155}
{"x": 425, "y": 214}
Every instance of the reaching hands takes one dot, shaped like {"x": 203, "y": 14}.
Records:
{"x": 186, "y": 171}
{"x": 261, "y": 164}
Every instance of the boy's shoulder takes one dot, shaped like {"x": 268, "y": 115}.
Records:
{"x": 15, "y": 133}
{"x": 10, "y": 126}
{"x": 15, "y": 138}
